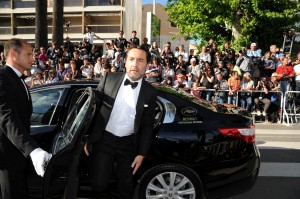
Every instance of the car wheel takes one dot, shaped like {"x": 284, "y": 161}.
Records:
{"x": 170, "y": 181}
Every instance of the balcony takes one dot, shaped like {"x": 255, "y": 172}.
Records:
{"x": 102, "y": 2}
{"x": 24, "y": 4}
{"x": 4, "y": 4}
{"x": 5, "y": 30}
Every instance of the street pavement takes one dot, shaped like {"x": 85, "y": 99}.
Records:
{"x": 279, "y": 176}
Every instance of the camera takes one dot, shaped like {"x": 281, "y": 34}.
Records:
{"x": 284, "y": 76}
{"x": 263, "y": 80}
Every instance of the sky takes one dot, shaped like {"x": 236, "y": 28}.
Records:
{"x": 163, "y": 2}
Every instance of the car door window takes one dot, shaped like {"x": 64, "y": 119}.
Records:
{"x": 44, "y": 104}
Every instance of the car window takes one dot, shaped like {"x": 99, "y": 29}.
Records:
{"x": 44, "y": 104}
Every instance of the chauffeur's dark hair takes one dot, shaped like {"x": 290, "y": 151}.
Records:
{"x": 15, "y": 44}
{"x": 148, "y": 55}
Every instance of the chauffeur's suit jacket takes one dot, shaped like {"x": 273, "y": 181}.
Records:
{"x": 15, "y": 112}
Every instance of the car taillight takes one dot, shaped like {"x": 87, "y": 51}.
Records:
{"x": 247, "y": 134}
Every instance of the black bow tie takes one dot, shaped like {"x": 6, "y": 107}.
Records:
{"x": 133, "y": 84}
{"x": 23, "y": 76}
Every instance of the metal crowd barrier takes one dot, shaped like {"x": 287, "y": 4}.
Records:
{"x": 281, "y": 97}
{"x": 290, "y": 114}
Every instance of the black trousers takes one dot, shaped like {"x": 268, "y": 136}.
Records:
{"x": 105, "y": 153}
{"x": 13, "y": 182}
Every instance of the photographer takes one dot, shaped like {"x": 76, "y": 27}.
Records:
{"x": 275, "y": 97}
{"x": 206, "y": 81}
{"x": 51, "y": 54}
{"x": 229, "y": 53}
{"x": 285, "y": 74}
{"x": 262, "y": 101}
{"x": 247, "y": 85}
{"x": 268, "y": 64}
{"x": 192, "y": 72}
{"x": 205, "y": 55}
{"x": 244, "y": 62}
{"x": 220, "y": 89}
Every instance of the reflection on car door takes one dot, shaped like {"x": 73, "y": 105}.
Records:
{"x": 61, "y": 173}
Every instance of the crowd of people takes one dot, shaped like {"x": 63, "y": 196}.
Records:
{"x": 216, "y": 73}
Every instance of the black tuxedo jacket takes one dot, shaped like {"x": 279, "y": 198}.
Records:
{"x": 15, "y": 112}
{"x": 145, "y": 111}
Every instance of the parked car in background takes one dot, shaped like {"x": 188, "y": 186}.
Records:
{"x": 200, "y": 149}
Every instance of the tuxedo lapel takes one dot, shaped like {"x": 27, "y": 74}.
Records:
{"x": 140, "y": 106}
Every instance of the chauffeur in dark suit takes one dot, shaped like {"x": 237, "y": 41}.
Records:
{"x": 15, "y": 112}
{"x": 124, "y": 124}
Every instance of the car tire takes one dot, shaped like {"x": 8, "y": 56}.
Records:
{"x": 170, "y": 181}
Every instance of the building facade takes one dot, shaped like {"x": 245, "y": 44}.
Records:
{"x": 105, "y": 17}
{"x": 167, "y": 29}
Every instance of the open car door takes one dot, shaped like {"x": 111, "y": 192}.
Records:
{"x": 61, "y": 175}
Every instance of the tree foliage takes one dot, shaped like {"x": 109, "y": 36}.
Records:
{"x": 239, "y": 21}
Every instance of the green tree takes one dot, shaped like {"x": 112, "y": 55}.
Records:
{"x": 239, "y": 21}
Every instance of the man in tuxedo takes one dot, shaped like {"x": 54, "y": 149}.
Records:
{"x": 124, "y": 123}
{"x": 15, "y": 112}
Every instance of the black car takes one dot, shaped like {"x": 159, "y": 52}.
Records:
{"x": 200, "y": 149}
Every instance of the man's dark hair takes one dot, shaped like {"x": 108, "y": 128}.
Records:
{"x": 89, "y": 27}
{"x": 133, "y": 31}
{"x": 148, "y": 55}
{"x": 15, "y": 44}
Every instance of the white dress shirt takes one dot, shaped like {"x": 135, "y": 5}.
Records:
{"x": 121, "y": 121}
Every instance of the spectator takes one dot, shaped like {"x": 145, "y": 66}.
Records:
{"x": 105, "y": 69}
{"x": 247, "y": 85}
{"x": 51, "y": 77}
{"x": 2, "y": 59}
{"x": 28, "y": 78}
{"x": 180, "y": 67}
{"x": 275, "y": 98}
{"x": 109, "y": 50}
{"x": 154, "y": 76}
{"x": 221, "y": 88}
{"x": 155, "y": 65}
{"x": 167, "y": 54}
{"x": 297, "y": 79}
{"x": 168, "y": 71}
{"x": 113, "y": 69}
{"x": 98, "y": 68}
{"x": 70, "y": 45}
{"x": 192, "y": 72}
{"x": 87, "y": 69}
{"x": 155, "y": 50}
{"x": 61, "y": 72}
{"x": 78, "y": 61}
{"x": 120, "y": 44}
{"x": 254, "y": 54}
{"x": 37, "y": 80}
{"x": 244, "y": 62}
{"x": 223, "y": 70}
{"x": 182, "y": 52}
{"x": 206, "y": 80}
{"x": 268, "y": 64}
{"x": 233, "y": 86}
{"x": 181, "y": 83}
{"x": 192, "y": 51}
{"x": 51, "y": 54}
{"x": 73, "y": 73}
{"x": 118, "y": 62}
{"x": 229, "y": 53}
{"x": 88, "y": 38}
{"x": 134, "y": 40}
{"x": 145, "y": 44}
{"x": 42, "y": 56}
{"x": 285, "y": 74}
{"x": 262, "y": 101}
{"x": 204, "y": 55}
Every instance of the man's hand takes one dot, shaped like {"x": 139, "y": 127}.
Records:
{"x": 137, "y": 163}
{"x": 40, "y": 159}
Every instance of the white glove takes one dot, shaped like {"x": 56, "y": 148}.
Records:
{"x": 40, "y": 159}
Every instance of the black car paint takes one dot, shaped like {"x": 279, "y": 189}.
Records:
{"x": 192, "y": 139}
